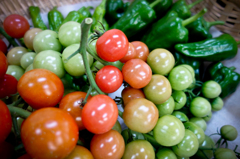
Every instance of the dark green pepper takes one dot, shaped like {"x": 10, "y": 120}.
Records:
{"x": 36, "y": 17}
{"x": 183, "y": 9}
{"x": 215, "y": 49}
{"x": 84, "y": 13}
{"x": 199, "y": 29}
{"x": 168, "y": 31}
{"x": 72, "y": 16}
{"x": 55, "y": 19}
{"x": 225, "y": 76}
{"x": 98, "y": 15}
{"x": 162, "y": 7}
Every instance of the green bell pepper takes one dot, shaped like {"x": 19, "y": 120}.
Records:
{"x": 36, "y": 17}
{"x": 199, "y": 29}
{"x": 225, "y": 76}
{"x": 55, "y": 19}
{"x": 84, "y": 13}
{"x": 183, "y": 9}
{"x": 169, "y": 31}
{"x": 215, "y": 49}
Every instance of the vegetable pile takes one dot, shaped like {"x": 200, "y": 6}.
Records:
{"x": 54, "y": 86}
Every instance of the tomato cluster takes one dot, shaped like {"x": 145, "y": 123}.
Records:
{"x": 67, "y": 111}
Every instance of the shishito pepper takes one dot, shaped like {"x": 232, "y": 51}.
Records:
{"x": 168, "y": 31}
{"x": 84, "y": 13}
{"x": 225, "y": 76}
{"x": 162, "y": 7}
{"x": 72, "y": 16}
{"x": 55, "y": 19}
{"x": 98, "y": 15}
{"x": 215, "y": 49}
{"x": 36, "y": 17}
{"x": 199, "y": 29}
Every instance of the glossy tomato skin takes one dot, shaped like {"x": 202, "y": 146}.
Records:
{"x": 112, "y": 45}
{"x": 49, "y": 133}
{"x": 8, "y": 86}
{"x": 3, "y": 64}
{"x": 142, "y": 50}
{"x": 129, "y": 93}
{"x": 40, "y": 88}
{"x": 99, "y": 114}
{"x": 3, "y": 46}
{"x": 72, "y": 104}
{"x": 136, "y": 73}
{"x": 16, "y": 25}
{"x": 109, "y": 79}
{"x": 80, "y": 152}
{"x": 131, "y": 54}
{"x": 107, "y": 145}
{"x": 5, "y": 121}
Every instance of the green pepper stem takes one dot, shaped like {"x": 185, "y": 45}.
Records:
{"x": 153, "y": 4}
{"x": 10, "y": 39}
{"x": 194, "y": 3}
{"x": 232, "y": 68}
{"x": 238, "y": 42}
{"x": 193, "y": 18}
{"x": 18, "y": 112}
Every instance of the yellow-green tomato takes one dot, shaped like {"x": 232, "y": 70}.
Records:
{"x": 15, "y": 71}
{"x": 196, "y": 130}
{"x": 205, "y": 154}
{"x": 181, "y": 116}
{"x": 169, "y": 130}
{"x": 200, "y": 107}
{"x": 166, "y": 108}
{"x": 161, "y": 61}
{"x": 139, "y": 149}
{"x": 29, "y": 36}
{"x": 158, "y": 89}
{"x": 30, "y": 67}
{"x": 188, "y": 146}
{"x": 27, "y": 59}
{"x": 75, "y": 65}
{"x": 70, "y": 33}
{"x": 211, "y": 89}
{"x": 208, "y": 116}
{"x": 165, "y": 153}
{"x": 180, "y": 99}
{"x": 224, "y": 153}
{"x": 15, "y": 54}
{"x": 140, "y": 115}
{"x": 117, "y": 127}
{"x": 228, "y": 132}
{"x": 200, "y": 122}
{"x": 50, "y": 60}
{"x": 217, "y": 104}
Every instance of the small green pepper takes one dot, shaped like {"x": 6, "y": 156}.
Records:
{"x": 36, "y": 17}
{"x": 162, "y": 7}
{"x": 72, "y": 16}
{"x": 84, "y": 13}
{"x": 199, "y": 29}
{"x": 169, "y": 31}
{"x": 215, "y": 49}
{"x": 98, "y": 15}
{"x": 225, "y": 76}
{"x": 55, "y": 19}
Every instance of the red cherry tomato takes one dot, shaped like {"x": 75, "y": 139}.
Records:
{"x": 142, "y": 50}
{"x": 109, "y": 79}
{"x": 8, "y": 86}
{"x": 5, "y": 121}
{"x": 40, "y": 88}
{"x": 3, "y": 64}
{"x": 3, "y": 46}
{"x": 25, "y": 156}
{"x": 136, "y": 73}
{"x": 6, "y": 150}
{"x": 129, "y": 93}
{"x": 131, "y": 54}
{"x": 112, "y": 45}
{"x": 16, "y": 25}
{"x": 49, "y": 133}
{"x": 71, "y": 103}
{"x": 99, "y": 114}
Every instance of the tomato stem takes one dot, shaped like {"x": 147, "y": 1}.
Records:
{"x": 88, "y": 93}
{"x": 18, "y": 112}
{"x": 79, "y": 142}
{"x": 10, "y": 39}
{"x": 120, "y": 113}
{"x": 15, "y": 127}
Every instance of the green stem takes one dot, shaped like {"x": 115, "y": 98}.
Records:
{"x": 232, "y": 68}
{"x": 120, "y": 113}
{"x": 88, "y": 93}
{"x": 73, "y": 54}
{"x": 210, "y": 24}
{"x": 17, "y": 102}
{"x": 193, "y": 18}
{"x": 154, "y": 3}
{"x": 79, "y": 142}
{"x": 85, "y": 26}
{"x": 203, "y": 148}
{"x": 238, "y": 42}
{"x": 10, "y": 39}
{"x": 194, "y": 3}
{"x": 18, "y": 112}
{"x": 151, "y": 139}
{"x": 15, "y": 127}
{"x": 18, "y": 147}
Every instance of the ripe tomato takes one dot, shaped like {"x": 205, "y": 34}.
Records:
{"x": 16, "y": 25}
{"x": 99, "y": 114}
{"x": 3, "y": 46}
{"x": 129, "y": 93}
{"x": 131, "y": 54}
{"x": 142, "y": 50}
{"x": 3, "y": 64}
{"x": 108, "y": 145}
{"x": 112, "y": 45}
{"x": 49, "y": 133}
{"x": 6, "y": 150}
{"x": 40, "y": 88}
{"x": 109, "y": 79}
{"x": 5, "y": 121}
{"x": 25, "y": 156}
{"x": 80, "y": 152}
{"x": 8, "y": 86}
{"x": 71, "y": 103}
{"x": 136, "y": 73}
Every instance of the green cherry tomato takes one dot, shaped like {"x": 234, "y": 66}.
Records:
{"x": 208, "y": 117}
{"x": 165, "y": 153}
{"x": 158, "y": 90}
{"x": 46, "y": 40}
{"x": 188, "y": 146}
{"x": 96, "y": 66}
{"x": 180, "y": 99}
{"x": 117, "y": 127}
{"x": 15, "y": 71}
{"x": 200, "y": 107}
{"x": 75, "y": 65}
{"x": 181, "y": 116}
{"x": 207, "y": 143}
{"x": 180, "y": 157}
{"x": 50, "y": 60}
{"x": 27, "y": 59}
{"x": 161, "y": 61}
{"x": 169, "y": 130}
{"x": 166, "y": 108}
{"x": 223, "y": 153}
{"x": 200, "y": 122}
{"x": 191, "y": 70}
{"x": 196, "y": 130}
{"x": 211, "y": 89}
{"x": 217, "y": 104}
{"x": 228, "y": 132}
{"x": 15, "y": 54}
{"x": 30, "y": 67}
{"x": 139, "y": 149}
{"x": 70, "y": 33}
